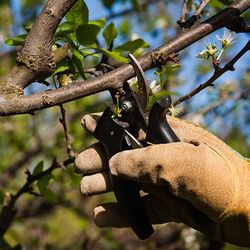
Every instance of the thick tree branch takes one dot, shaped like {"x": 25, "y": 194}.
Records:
{"x": 36, "y": 58}
{"x": 115, "y": 79}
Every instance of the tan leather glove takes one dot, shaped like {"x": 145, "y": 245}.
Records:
{"x": 199, "y": 181}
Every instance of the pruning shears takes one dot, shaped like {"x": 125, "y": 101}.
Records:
{"x": 118, "y": 133}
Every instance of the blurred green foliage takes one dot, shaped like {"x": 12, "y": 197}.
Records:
{"x": 60, "y": 218}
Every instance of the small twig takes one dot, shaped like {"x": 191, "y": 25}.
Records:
{"x": 184, "y": 11}
{"x": 218, "y": 103}
{"x": 63, "y": 121}
{"x": 187, "y": 24}
{"x": 203, "y": 4}
{"x": 128, "y": 11}
{"x": 9, "y": 210}
{"x": 219, "y": 72}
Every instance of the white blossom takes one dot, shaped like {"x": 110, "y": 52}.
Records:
{"x": 154, "y": 86}
{"x": 133, "y": 80}
{"x": 228, "y": 39}
{"x": 210, "y": 50}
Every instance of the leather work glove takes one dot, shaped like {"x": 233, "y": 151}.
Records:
{"x": 199, "y": 181}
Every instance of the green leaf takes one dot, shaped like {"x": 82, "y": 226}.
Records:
{"x": 110, "y": 33}
{"x": 220, "y": 3}
{"x": 16, "y": 41}
{"x": 43, "y": 183}
{"x": 79, "y": 14}
{"x": 115, "y": 55}
{"x": 78, "y": 64}
{"x": 100, "y": 22}
{"x": 61, "y": 67}
{"x": 86, "y": 34}
{"x": 166, "y": 69}
{"x": 132, "y": 45}
{"x": 227, "y": 2}
{"x": 65, "y": 29}
{"x": 77, "y": 54}
{"x": 38, "y": 168}
{"x": 77, "y": 57}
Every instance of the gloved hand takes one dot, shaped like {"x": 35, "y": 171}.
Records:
{"x": 199, "y": 181}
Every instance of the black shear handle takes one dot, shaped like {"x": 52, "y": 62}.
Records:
{"x": 159, "y": 130}
{"x": 126, "y": 192}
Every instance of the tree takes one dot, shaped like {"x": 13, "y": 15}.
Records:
{"x": 62, "y": 56}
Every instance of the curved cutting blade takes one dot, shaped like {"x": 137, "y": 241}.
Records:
{"x": 142, "y": 94}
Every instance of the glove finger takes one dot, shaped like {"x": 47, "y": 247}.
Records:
{"x": 151, "y": 164}
{"x": 104, "y": 214}
{"x": 89, "y": 121}
{"x": 161, "y": 207}
{"x": 91, "y": 160}
{"x": 164, "y": 163}
{"x": 96, "y": 184}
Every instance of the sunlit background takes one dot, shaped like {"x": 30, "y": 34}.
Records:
{"x": 61, "y": 218}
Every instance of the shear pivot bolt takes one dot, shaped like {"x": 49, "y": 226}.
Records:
{"x": 126, "y": 106}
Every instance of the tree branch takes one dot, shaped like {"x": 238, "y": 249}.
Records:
{"x": 187, "y": 24}
{"x": 115, "y": 79}
{"x": 63, "y": 121}
{"x": 128, "y": 11}
{"x": 36, "y": 59}
{"x": 240, "y": 95}
{"x": 219, "y": 72}
{"x": 184, "y": 11}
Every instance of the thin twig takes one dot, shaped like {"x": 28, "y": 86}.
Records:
{"x": 128, "y": 11}
{"x": 184, "y": 11}
{"x": 63, "y": 121}
{"x": 228, "y": 67}
{"x": 203, "y": 4}
{"x": 187, "y": 24}
{"x": 218, "y": 103}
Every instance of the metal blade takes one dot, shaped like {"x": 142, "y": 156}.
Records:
{"x": 132, "y": 141}
{"x": 142, "y": 93}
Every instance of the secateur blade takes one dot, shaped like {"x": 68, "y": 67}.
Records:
{"x": 142, "y": 93}
{"x": 132, "y": 141}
